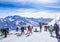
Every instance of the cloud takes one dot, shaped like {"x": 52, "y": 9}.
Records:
{"x": 30, "y": 8}
{"x": 43, "y": 14}
{"x": 28, "y": 13}
{"x": 36, "y": 4}
{"x": 44, "y": 1}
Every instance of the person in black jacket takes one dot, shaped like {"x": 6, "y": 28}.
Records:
{"x": 5, "y": 32}
{"x": 40, "y": 25}
{"x": 56, "y": 28}
{"x": 17, "y": 29}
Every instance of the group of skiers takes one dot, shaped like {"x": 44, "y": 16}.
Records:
{"x": 51, "y": 28}
{"x": 55, "y": 28}
{"x": 28, "y": 29}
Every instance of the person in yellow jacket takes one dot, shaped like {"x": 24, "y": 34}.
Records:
{"x": 51, "y": 29}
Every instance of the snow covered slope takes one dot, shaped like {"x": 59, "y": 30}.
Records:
{"x": 35, "y": 37}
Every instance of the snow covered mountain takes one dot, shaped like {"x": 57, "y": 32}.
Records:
{"x": 55, "y": 20}
{"x": 14, "y": 21}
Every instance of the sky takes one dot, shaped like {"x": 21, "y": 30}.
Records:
{"x": 30, "y": 8}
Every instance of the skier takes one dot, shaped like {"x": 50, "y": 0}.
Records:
{"x": 22, "y": 30}
{"x": 40, "y": 24}
{"x": 5, "y": 32}
{"x": 30, "y": 29}
{"x": 56, "y": 28}
{"x": 45, "y": 28}
{"x": 17, "y": 29}
{"x": 51, "y": 29}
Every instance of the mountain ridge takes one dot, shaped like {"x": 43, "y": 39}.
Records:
{"x": 14, "y": 21}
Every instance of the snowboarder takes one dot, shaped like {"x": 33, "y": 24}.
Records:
{"x": 56, "y": 28}
{"x": 51, "y": 29}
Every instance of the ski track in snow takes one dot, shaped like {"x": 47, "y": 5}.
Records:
{"x": 35, "y": 37}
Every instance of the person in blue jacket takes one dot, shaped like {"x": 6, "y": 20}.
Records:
{"x": 22, "y": 30}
